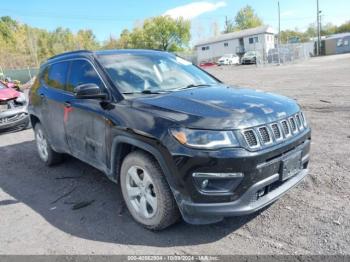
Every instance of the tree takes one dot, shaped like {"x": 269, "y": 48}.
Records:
{"x": 86, "y": 39}
{"x": 287, "y": 35}
{"x": 229, "y": 26}
{"x": 246, "y": 18}
{"x": 345, "y": 27}
{"x": 162, "y": 32}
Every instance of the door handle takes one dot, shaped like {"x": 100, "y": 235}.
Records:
{"x": 67, "y": 104}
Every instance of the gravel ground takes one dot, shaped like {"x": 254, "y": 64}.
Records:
{"x": 311, "y": 219}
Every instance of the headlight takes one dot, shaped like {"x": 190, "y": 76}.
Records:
{"x": 206, "y": 139}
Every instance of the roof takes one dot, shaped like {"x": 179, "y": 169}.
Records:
{"x": 238, "y": 34}
{"x": 335, "y": 36}
{"x": 85, "y": 53}
{"x": 129, "y": 51}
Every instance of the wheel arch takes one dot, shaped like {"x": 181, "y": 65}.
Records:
{"x": 34, "y": 120}
{"x": 123, "y": 145}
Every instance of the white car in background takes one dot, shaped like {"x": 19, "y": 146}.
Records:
{"x": 229, "y": 59}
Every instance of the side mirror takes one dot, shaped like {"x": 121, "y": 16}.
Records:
{"x": 89, "y": 91}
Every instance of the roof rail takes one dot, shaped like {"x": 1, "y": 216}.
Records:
{"x": 69, "y": 53}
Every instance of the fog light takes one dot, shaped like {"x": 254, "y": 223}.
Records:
{"x": 205, "y": 183}
{"x": 217, "y": 182}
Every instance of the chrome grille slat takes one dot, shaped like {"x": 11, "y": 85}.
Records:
{"x": 293, "y": 125}
{"x": 299, "y": 123}
{"x": 251, "y": 138}
{"x": 276, "y": 131}
{"x": 285, "y": 128}
{"x": 265, "y": 135}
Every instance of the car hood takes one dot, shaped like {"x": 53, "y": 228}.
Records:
{"x": 218, "y": 107}
{"x": 8, "y": 94}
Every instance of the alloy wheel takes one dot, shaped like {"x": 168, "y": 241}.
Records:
{"x": 141, "y": 193}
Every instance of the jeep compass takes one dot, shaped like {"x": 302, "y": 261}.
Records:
{"x": 177, "y": 140}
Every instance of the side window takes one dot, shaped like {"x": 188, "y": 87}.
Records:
{"x": 251, "y": 40}
{"x": 82, "y": 72}
{"x": 57, "y": 75}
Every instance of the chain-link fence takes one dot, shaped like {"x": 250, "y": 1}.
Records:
{"x": 281, "y": 54}
{"x": 23, "y": 75}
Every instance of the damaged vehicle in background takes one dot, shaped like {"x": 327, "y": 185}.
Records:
{"x": 13, "y": 109}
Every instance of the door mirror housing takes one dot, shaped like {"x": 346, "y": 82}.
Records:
{"x": 89, "y": 91}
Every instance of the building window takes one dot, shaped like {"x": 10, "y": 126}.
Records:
{"x": 253, "y": 40}
{"x": 225, "y": 44}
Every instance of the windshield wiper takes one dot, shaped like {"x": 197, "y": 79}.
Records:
{"x": 191, "y": 86}
{"x": 150, "y": 92}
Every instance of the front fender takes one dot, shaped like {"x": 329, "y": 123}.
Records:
{"x": 153, "y": 147}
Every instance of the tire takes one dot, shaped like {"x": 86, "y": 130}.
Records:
{"x": 143, "y": 185}
{"x": 45, "y": 151}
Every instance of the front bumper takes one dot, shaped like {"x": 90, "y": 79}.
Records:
{"x": 16, "y": 118}
{"x": 262, "y": 172}
{"x": 248, "y": 203}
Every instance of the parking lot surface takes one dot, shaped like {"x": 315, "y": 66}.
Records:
{"x": 36, "y": 202}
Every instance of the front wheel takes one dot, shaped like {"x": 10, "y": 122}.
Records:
{"x": 146, "y": 192}
{"x": 46, "y": 153}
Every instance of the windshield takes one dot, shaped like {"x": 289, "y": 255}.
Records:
{"x": 133, "y": 73}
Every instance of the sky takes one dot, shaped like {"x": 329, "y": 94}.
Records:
{"x": 109, "y": 17}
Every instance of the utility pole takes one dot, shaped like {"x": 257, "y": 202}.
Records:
{"x": 318, "y": 30}
{"x": 279, "y": 23}
{"x": 279, "y": 33}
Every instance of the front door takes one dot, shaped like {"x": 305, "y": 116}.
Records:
{"x": 84, "y": 122}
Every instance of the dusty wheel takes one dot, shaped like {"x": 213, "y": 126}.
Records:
{"x": 46, "y": 153}
{"x": 146, "y": 192}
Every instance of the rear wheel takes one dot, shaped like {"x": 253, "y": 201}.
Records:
{"x": 46, "y": 153}
{"x": 146, "y": 192}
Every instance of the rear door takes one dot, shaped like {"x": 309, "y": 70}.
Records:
{"x": 54, "y": 96}
{"x": 85, "y": 123}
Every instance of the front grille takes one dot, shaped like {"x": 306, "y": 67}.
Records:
{"x": 285, "y": 127}
{"x": 299, "y": 123}
{"x": 274, "y": 132}
{"x": 250, "y": 138}
{"x": 293, "y": 125}
{"x": 265, "y": 136}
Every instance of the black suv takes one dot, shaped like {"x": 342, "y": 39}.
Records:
{"x": 177, "y": 139}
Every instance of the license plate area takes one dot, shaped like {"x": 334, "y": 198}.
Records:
{"x": 291, "y": 165}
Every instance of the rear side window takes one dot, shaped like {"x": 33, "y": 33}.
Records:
{"x": 57, "y": 75}
{"x": 82, "y": 72}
